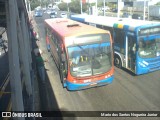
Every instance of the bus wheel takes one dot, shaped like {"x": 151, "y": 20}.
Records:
{"x": 117, "y": 62}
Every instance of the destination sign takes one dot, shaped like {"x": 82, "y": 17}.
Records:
{"x": 149, "y": 31}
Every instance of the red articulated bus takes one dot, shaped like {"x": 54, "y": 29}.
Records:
{"x": 83, "y": 54}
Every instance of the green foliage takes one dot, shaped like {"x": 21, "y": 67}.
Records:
{"x": 74, "y": 6}
{"x": 63, "y": 6}
{"x": 158, "y": 3}
{"x": 108, "y": 4}
{"x": 84, "y": 9}
{"x": 34, "y": 4}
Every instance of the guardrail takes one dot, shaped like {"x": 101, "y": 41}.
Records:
{"x": 2, "y": 30}
{"x": 3, "y": 86}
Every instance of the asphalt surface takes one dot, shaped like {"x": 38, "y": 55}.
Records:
{"x": 127, "y": 92}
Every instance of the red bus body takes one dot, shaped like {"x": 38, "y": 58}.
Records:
{"x": 94, "y": 45}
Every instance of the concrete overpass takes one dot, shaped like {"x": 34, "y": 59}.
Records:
{"x": 15, "y": 20}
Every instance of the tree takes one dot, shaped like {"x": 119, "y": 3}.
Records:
{"x": 158, "y": 3}
{"x": 36, "y": 3}
{"x": 63, "y": 6}
{"x": 75, "y": 6}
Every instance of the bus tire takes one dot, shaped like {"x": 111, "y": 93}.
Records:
{"x": 117, "y": 61}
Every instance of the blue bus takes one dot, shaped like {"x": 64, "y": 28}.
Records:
{"x": 136, "y": 42}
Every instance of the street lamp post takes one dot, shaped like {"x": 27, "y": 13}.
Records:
{"x": 118, "y": 9}
{"x": 144, "y": 9}
{"x": 81, "y": 6}
{"x": 67, "y": 6}
{"x": 104, "y": 1}
{"x": 96, "y": 8}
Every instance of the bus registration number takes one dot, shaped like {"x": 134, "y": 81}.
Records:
{"x": 89, "y": 80}
{"x": 92, "y": 84}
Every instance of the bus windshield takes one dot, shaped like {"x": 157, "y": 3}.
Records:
{"x": 91, "y": 59}
{"x": 149, "y": 48}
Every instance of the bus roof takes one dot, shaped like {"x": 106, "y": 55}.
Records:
{"x": 66, "y": 27}
{"x": 80, "y": 18}
{"x": 122, "y": 23}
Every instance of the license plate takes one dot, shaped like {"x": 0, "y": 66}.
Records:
{"x": 93, "y": 84}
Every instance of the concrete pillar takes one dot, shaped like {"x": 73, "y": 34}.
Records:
{"x": 13, "y": 52}
{"x": 104, "y": 10}
{"x": 28, "y": 43}
{"x": 24, "y": 51}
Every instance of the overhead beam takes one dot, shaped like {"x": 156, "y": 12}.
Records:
{"x": 13, "y": 52}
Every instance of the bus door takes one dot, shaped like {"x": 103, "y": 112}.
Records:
{"x": 130, "y": 52}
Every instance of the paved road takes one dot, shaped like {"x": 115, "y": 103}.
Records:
{"x": 126, "y": 93}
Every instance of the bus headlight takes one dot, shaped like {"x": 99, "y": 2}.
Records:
{"x": 142, "y": 64}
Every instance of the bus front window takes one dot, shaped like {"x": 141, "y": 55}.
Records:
{"x": 149, "y": 48}
{"x": 87, "y": 60}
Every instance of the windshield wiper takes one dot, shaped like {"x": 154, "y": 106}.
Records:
{"x": 83, "y": 50}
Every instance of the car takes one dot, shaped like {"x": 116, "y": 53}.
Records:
{"x": 114, "y": 10}
{"x": 53, "y": 11}
{"x": 63, "y": 15}
{"x": 48, "y": 11}
{"x": 126, "y": 15}
{"x": 38, "y": 13}
{"x": 106, "y": 9}
{"x": 53, "y": 15}
{"x": 137, "y": 16}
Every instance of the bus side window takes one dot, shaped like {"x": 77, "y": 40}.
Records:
{"x": 49, "y": 34}
{"x": 55, "y": 41}
{"x": 59, "y": 46}
{"x": 64, "y": 62}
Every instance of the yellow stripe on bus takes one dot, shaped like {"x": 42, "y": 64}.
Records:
{"x": 120, "y": 26}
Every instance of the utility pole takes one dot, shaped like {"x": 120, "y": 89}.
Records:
{"x": 96, "y": 8}
{"x": 29, "y": 7}
{"x": 88, "y": 7}
{"x": 67, "y": 5}
{"x": 81, "y": 6}
{"x": 40, "y": 3}
{"x": 104, "y": 11}
{"x": 26, "y": 5}
{"x": 118, "y": 9}
{"x": 148, "y": 10}
{"x": 144, "y": 9}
